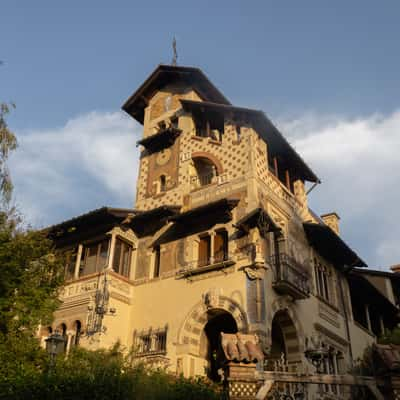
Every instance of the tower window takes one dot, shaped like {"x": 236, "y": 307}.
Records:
{"x": 209, "y": 125}
{"x": 157, "y": 262}
{"x": 205, "y": 172}
{"x": 163, "y": 183}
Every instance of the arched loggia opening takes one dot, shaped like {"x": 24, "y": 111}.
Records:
{"x": 62, "y": 330}
{"x": 206, "y": 171}
{"x": 218, "y": 321}
{"x": 284, "y": 341}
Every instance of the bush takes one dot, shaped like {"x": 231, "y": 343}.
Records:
{"x": 99, "y": 375}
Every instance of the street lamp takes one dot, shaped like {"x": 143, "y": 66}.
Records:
{"x": 55, "y": 344}
{"x": 316, "y": 352}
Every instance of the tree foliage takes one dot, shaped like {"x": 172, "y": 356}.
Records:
{"x": 8, "y": 143}
{"x": 103, "y": 375}
{"x": 390, "y": 337}
{"x": 31, "y": 272}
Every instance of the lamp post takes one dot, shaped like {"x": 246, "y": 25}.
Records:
{"x": 100, "y": 309}
{"x": 316, "y": 353}
{"x": 55, "y": 344}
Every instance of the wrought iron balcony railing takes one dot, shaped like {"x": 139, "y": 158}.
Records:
{"x": 290, "y": 277}
{"x": 220, "y": 260}
{"x": 202, "y": 179}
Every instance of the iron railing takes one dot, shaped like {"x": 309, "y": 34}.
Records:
{"x": 150, "y": 343}
{"x": 203, "y": 179}
{"x": 290, "y": 276}
{"x": 217, "y": 261}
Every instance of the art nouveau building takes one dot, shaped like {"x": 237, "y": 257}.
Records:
{"x": 220, "y": 239}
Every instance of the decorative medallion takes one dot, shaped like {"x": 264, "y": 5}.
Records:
{"x": 163, "y": 157}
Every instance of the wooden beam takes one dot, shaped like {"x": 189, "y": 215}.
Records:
{"x": 287, "y": 176}
{"x": 276, "y": 166}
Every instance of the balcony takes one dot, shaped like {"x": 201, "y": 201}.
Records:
{"x": 218, "y": 262}
{"x": 290, "y": 277}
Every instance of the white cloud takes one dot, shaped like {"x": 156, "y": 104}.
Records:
{"x": 358, "y": 162}
{"x": 92, "y": 161}
{"x": 89, "y": 162}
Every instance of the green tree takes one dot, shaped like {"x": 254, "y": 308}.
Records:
{"x": 8, "y": 143}
{"x": 105, "y": 375}
{"x": 30, "y": 270}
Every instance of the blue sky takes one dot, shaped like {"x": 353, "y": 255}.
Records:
{"x": 326, "y": 73}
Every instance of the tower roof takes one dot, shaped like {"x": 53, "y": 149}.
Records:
{"x": 166, "y": 74}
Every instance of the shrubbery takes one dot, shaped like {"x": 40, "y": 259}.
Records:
{"x": 98, "y": 375}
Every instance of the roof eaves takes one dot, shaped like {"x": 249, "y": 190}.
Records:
{"x": 267, "y": 126}
{"x": 139, "y": 96}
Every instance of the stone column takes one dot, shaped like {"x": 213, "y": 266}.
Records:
{"x": 78, "y": 261}
{"x": 111, "y": 251}
{"x": 212, "y": 238}
{"x": 69, "y": 340}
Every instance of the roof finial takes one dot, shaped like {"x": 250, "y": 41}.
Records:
{"x": 175, "y": 57}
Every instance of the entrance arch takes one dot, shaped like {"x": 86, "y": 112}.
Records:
{"x": 285, "y": 339}
{"x": 201, "y": 328}
{"x": 218, "y": 321}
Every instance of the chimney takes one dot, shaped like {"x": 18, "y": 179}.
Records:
{"x": 332, "y": 220}
{"x": 395, "y": 268}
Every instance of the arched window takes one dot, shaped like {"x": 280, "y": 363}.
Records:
{"x": 78, "y": 331}
{"x": 163, "y": 183}
{"x": 62, "y": 329}
{"x": 157, "y": 262}
{"x": 206, "y": 171}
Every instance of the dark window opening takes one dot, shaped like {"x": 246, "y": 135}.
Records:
{"x": 359, "y": 312}
{"x": 174, "y": 122}
{"x": 209, "y": 125}
{"x": 204, "y": 251}
{"x": 94, "y": 258}
{"x": 150, "y": 342}
{"x": 221, "y": 321}
{"x": 323, "y": 281}
{"x": 157, "y": 261}
{"x": 122, "y": 258}
{"x": 70, "y": 264}
{"x": 63, "y": 332}
{"x": 220, "y": 246}
{"x": 278, "y": 342}
{"x": 238, "y": 133}
{"x": 163, "y": 183}
{"x": 206, "y": 171}
{"x": 282, "y": 171}
{"x": 77, "y": 333}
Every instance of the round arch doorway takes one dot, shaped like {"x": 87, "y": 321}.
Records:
{"x": 218, "y": 321}
{"x": 284, "y": 340}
